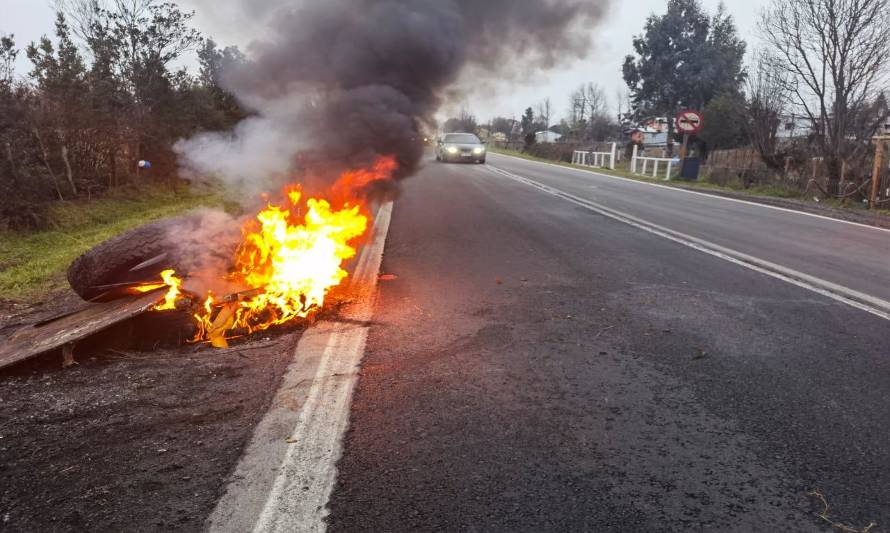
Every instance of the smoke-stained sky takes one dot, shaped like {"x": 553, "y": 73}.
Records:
{"x": 228, "y": 24}
{"x": 344, "y": 82}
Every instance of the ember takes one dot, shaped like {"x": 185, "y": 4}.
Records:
{"x": 291, "y": 255}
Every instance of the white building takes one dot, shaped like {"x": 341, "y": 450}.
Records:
{"x": 547, "y": 136}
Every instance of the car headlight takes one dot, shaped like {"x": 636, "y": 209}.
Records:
{"x": 451, "y": 149}
{"x": 479, "y": 150}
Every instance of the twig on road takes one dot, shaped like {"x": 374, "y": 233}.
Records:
{"x": 824, "y": 516}
{"x": 598, "y": 335}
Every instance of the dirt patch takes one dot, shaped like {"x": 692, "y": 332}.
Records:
{"x": 129, "y": 439}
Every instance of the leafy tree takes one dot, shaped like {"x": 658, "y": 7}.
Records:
{"x": 59, "y": 73}
{"x": 684, "y": 59}
{"x": 8, "y": 55}
{"x": 219, "y": 107}
{"x": 724, "y": 122}
{"x": 528, "y": 122}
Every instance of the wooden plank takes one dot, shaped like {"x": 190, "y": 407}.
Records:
{"x": 52, "y": 334}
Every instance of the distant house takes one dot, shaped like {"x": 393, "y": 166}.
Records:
{"x": 547, "y": 136}
{"x": 651, "y": 132}
{"x": 649, "y": 138}
{"x": 655, "y": 124}
{"x": 794, "y": 127}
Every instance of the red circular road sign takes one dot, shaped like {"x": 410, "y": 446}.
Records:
{"x": 689, "y": 122}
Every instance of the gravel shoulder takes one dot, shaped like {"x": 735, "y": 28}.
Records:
{"x": 139, "y": 436}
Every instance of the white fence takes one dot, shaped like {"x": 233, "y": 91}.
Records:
{"x": 656, "y": 163}
{"x": 595, "y": 159}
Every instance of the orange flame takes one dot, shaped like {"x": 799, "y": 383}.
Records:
{"x": 289, "y": 259}
{"x": 175, "y": 289}
{"x": 294, "y": 262}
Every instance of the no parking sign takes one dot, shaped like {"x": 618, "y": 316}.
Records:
{"x": 689, "y": 122}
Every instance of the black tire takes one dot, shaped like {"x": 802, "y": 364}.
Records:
{"x": 112, "y": 261}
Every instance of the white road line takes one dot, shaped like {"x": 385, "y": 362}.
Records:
{"x": 687, "y": 191}
{"x": 864, "y": 302}
{"x": 285, "y": 477}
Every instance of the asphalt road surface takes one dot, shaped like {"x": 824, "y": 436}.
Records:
{"x": 538, "y": 366}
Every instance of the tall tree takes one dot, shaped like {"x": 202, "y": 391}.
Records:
{"x": 8, "y": 55}
{"x": 835, "y": 54}
{"x": 767, "y": 102}
{"x": 724, "y": 123}
{"x": 545, "y": 112}
{"x": 221, "y": 109}
{"x": 59, "y": 73}
{"x": 588, "y": 115}
{"x": 684, "y": 59}
{"x": 528, "y": 122}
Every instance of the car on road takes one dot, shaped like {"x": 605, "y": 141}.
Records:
{"x": 460, "y": 147}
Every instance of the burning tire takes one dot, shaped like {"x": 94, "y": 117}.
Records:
{"x": 137, "y": 255}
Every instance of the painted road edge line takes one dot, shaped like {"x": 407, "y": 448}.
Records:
{"x": 859, "y": 300}
{"x": 699, "y": 193}
{"x": 284, "y": 479}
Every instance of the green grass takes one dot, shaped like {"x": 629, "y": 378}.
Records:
{"x": 33, "y": 264}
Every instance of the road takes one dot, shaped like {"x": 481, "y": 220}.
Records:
{"x": 536, "y": 365}
{"x": 846, "y": 254}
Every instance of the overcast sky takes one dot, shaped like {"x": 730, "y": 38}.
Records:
{"x": 29, "y": 19}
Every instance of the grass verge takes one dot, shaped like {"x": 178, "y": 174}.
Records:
{"x": 769, "y": 191}
{"x": 33, "y": 264}
{"x": 759, "y": 191}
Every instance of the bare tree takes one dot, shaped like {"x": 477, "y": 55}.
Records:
{"x": 578, "y": 106}
{"x": 82, "y": 14}
{"x": 767, "y": 103}
{"x": 596, "y": 100}
{"x": 834, "y": 53}
{"x": 588, "y": 110}
{"x": 545, "y": 111}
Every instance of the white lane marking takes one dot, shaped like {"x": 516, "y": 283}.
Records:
{"x": 285, "y": 477}
{"x": 859, "y": 300}
{"x": 679, "y": 189}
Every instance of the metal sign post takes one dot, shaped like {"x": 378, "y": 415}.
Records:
{"x": 688, "y": 123}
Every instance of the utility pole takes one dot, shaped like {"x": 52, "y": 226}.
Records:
{"x": 876, "y": 171}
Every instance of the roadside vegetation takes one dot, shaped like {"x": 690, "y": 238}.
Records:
{"x": 752, "y": 191}
{"x": 87, "y": 137}
{"x": 103, "y": 106}
{"x": 33, "y": 263}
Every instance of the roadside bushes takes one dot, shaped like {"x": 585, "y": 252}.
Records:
{"x": 102, "y": 96}
{"x": 553, "y": 151}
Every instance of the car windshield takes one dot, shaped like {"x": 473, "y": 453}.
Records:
{"x": 463, "y": 138}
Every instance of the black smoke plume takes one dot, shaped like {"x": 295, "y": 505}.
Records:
{"x": 335, "y": 83}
